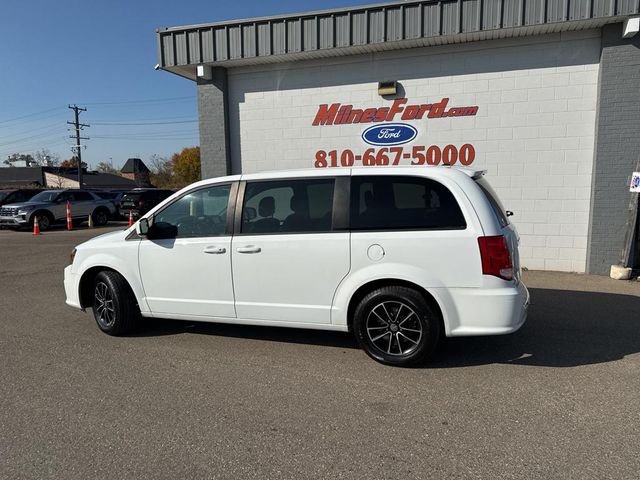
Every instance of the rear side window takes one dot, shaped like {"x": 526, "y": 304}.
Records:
{"x": 82, "y": 196}
{"x": 290, "y": 206}
{"x": 494, "y": 200}
{"x": 106, "y": 195}
{"x": 399, "y": 203}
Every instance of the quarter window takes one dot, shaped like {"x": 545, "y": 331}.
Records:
{"x": 396, "y": 203}
{"x": 292, "y": 206}
{"x": 494, "y": 201}
{"x": 202, "y": 213}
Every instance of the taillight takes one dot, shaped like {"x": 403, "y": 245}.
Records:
{"x": 496, "y": 258}
{"x": 140, "y": 203}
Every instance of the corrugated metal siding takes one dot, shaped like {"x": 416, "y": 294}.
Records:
{"x": 367, "y": 27}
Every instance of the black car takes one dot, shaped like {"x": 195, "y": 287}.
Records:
{"x": 17, "y": 195}
{"x": 140, "y": 201}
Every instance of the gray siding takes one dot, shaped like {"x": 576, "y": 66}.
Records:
{"x": 617, "y": 147}
{"x": 372, "y": 25}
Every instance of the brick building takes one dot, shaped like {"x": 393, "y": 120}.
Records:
{"x": 544, "y": 95}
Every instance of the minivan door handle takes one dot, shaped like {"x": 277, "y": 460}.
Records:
{"x": 249, "y": 249}
{"x": 215, "y": 250}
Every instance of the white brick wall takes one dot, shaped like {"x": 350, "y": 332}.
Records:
{"x": 534, "y": 130}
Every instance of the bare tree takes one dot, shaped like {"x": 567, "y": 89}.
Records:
{"x": 107, "y": 167}
{"x": 46, "y": 158}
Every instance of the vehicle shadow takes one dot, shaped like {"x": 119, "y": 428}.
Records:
{"x": 160, "y": 327}
{"x": 564, "y": 329}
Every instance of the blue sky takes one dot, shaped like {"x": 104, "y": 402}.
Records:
{"x": 100, "y": 55}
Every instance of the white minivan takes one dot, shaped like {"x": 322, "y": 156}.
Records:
{"x": 398, "y": 256}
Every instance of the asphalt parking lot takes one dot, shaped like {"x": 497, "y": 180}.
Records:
{"x": 560, "y": 399}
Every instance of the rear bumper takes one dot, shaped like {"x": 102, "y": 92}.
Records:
{"x": 71, "y": 290}
{"x": 124, "y": 211}
{"x": 496, "y": 311}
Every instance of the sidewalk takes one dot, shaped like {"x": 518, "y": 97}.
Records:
{"x": 580, "y": 282}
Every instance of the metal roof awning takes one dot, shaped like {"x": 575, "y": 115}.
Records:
{"x": 373, "y": 28}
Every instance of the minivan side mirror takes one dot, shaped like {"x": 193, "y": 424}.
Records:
{"x": 142, "y": 227}
{"x": 509, "y": 213}
{"x": 161, "y": 231}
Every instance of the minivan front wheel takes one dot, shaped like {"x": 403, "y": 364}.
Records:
{"x": 396, "y": 326}
{"x": 114, "y": 305}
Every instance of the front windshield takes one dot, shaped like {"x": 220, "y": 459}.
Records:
{"x": 3, "y": 195}
{"x": 46, "y": 196}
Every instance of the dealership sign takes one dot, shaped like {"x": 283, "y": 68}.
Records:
{"x": 389, "y": 137}
{"x": 338, "y": 114}
{"x": 389, "y": 134}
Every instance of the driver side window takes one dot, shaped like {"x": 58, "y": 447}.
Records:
{"x": 201, "y": 213}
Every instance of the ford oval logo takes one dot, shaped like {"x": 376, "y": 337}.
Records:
{"x": 389, "y": 134}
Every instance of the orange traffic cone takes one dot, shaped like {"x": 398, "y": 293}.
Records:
{"x": 130, "y": 217}
{"x": 36, "y": 227}
{"x": 69, "y": 222}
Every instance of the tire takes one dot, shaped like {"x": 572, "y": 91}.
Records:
{"x": 45, "y": 220}
{"x": 100, "y": 217}
{"x": 114, "y": 305}
{"x": 396, "y": 326}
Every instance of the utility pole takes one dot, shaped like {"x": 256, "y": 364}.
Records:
{"x": 78, "y": 127}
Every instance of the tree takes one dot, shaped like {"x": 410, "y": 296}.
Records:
{"x": 161, "y": 174}
{"x": 20, "y": 157}
{"x": 107, "y": 167}
{"x": 46, "y": 158}
{"x": 186, "y": 165}
{"x": 72, "y": 163}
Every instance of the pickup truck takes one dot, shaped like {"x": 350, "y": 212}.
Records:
{"x": 50, "y": 207}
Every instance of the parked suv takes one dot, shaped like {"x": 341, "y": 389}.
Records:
{"x": 140, "y": 201}
{"x": 400, "y": 257}
{"x": 16, "y": 195}
{"x": 50, "y": 206}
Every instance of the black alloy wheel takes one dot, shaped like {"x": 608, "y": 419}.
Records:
{"x": 114, "y": 305}
{"x": 395, "y": 325}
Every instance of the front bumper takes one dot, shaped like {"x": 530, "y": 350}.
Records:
{"x": 17, "y": 221}
{"x": 71, "y": 288}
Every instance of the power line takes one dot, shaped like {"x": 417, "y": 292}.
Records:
{"x": 147, "y": 134}
{"x": 150, "y": 119}
{"x": 148, "y": 139}
{"x": 30, "y": 137}
{"x": 35, "y": 149}
{"x": 31, "y": 130}
{"x": 29, "y": 121}
{"x": 30, "y": 115}
{"x": 144, "y": 123}
{"x": 138, "y": 102}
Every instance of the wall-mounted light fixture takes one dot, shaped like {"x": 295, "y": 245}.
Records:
{"x": 387, "y": 88}
{"x": 630, "y": 27}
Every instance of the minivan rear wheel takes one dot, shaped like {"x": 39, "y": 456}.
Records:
{"x": 114, "y": 305}
{"x": 395, "y": 325}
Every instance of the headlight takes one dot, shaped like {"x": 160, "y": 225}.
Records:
{"x": 72, "y": 256}
{"x": 25, "y": 209}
